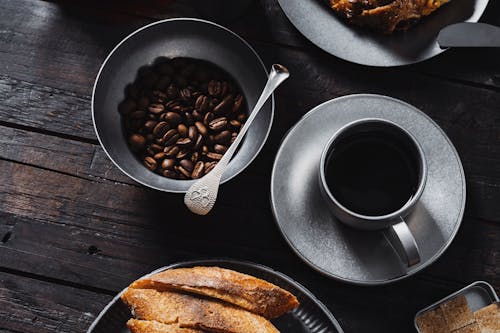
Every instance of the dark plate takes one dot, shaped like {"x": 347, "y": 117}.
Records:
{"x": 317, "y": 22}
{"x": 310, "y": 317}
{"x": 182, "y": 37}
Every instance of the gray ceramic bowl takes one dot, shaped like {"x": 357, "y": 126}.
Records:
{"x": 183, "y": 37}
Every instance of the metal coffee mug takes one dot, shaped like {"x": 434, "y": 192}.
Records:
{"x": 396, "y": 229}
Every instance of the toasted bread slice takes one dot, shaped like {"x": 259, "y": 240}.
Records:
{"x": 432, "y": 321}
{"x": 472, "y": 328}
{"x": 457, "y": 313}
{"x": 147, "y": 326}
{"x": 248, "y": 292}
{"x": 193, "y": 312}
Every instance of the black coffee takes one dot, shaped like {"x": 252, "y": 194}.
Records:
{"x": 373, "y": 174}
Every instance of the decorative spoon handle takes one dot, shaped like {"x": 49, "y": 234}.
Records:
{"x": 201, "y": 196}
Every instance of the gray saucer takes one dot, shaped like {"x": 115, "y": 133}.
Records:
{"x": 353, "y": 256}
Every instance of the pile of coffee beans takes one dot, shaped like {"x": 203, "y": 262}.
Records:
{"x": 180, "y": 116}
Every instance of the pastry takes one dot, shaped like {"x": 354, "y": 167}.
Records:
{"x": 248, "y": 292}
{"x": 193, "y": 312}
{"x": 385, "y": 15}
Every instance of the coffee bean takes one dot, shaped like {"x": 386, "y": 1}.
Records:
{"x": 182, "y": 142}
{"x": 150, "y": 163}
{"x": 183, "y": 153}
{"x": 171, "y": 151}
{"x": 187, "y": 164}
{"x": 149, "y": 125}
{"x": 214, "y": 156}
{"x": 225, "y": 105}
{"x": 201, "y": 128}
{"x": 209, "y": 166}
{"x": 180, "y": 116}
{"x": 192, "y": 133}
{"x": 137, "y": 142}
{"x": 223, "y": 137}
{"x": 202, "y": 103}
{"x": 238, "y": 102}
{"x": 209, "y": 116}
{"x": 218, "y": 124}
{"x": 160, "y": 129}
{"x": 183, "y": 130}
{"x": 199, "y": 141}
{"x": 171, "y": 137}
{"x": 160, "y": 156}
{"x": 170, "y": 174}
{"x": 168, "y": 164}
{"x": 220, "y": 149}
{"x": 183, "y": 171}
{"x": 173, "y": 118}
{"x": 127, "y": 106}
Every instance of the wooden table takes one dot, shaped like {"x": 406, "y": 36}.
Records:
{"x": 74, "y": 230}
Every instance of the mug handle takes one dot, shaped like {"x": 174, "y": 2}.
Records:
{"x": 402, "y": 240}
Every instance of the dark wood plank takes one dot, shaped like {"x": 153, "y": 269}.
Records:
{"x": 33, "y": 306}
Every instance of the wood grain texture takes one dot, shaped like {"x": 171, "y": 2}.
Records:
{"x": 74, "y": 229}
{"x": 34, "y": 306}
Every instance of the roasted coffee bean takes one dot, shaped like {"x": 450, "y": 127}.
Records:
{"x": 183, "y": 171}
{"x": 157, "y": 148}
{"x": 160, "y": 129}
{"x": 241, "y": 117}
{"x": 225, "y": 105}
{"x": 183, "y": 130}
{"x": 197, "y": 116}
{"x": 171, "y": 151}
{"x": 159, "y": 156}
{"x": 214, "y": 156}
{"x": 209, "y": 166}
{"x": 170, "y": 174}
{"x": 183, "y": 153}
{"x": 214, "y": 88}
{"x": 209, "y": 116}
{"x": 137, "y": 142}
{"x": 149, "y": 125}
{"x": 127, "y": 106}
{"x": 156, "y": 108}
{"x": 150, "y": 163}
{"x": 201, "y": 128}
{"x": 220, "y": 149}
{"x": 181, "y": 114}
{"x": 202, "y": 103}
{"x": 218, "y": 124}
{"x": 199, "y": 141}
{"x": 223, "y": 137}
{"x": 238, "y": 102}
{"x": 195, "y": 156}
{"x": 168, "y": 164}
{"x": 235, "y": 124}
{"x": 183, "y": 142}
{"x": 187, "y": 164}
{"x": 173, "y": 118}
{"x": 192, "y": 133}
{"x": 171, "y": 137}
{"x": 198, "y": 170}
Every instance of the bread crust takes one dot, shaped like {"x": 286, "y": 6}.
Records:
{"x": 248, "y": 292}
{"x": 151, "y": 326}
{"x": 193, "y": 312}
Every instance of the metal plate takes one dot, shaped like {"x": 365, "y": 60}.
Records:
{"x": 310, "y": 317}
{"x": 319, "y": 23}
{"x": 183, "y": 37}
{"x": 338, "y": 251}
{"x": 478, "y": 294}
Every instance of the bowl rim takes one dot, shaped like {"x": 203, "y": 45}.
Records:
{"x": 147, "y": 26}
